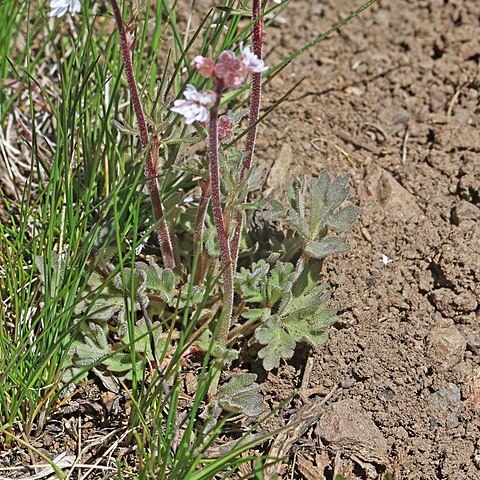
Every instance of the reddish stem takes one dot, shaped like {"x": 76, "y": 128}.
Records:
{"x": 225, "y": 257}
{"x": 255, "y": 101}
{"x": 150, "y": 165}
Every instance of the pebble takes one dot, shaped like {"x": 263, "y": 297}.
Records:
{"x": 447, "y": 346}
{"x": 448, "y": 401}
{"x": 447, "y": 398}
{"x": 347, "y": 426}
{"x": 348, "y": 383}
{"x": 386, "y": 395}
{"x": 463, "y": 211}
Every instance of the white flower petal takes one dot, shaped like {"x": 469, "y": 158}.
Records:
{"x": 58, "y": 8}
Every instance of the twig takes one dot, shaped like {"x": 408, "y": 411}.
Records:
{"x": 356, "y": 142}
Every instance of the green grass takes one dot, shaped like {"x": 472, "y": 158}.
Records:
{"x": 85, "y": 178}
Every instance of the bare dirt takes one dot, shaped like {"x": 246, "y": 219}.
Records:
{"x": 393, "y": 99}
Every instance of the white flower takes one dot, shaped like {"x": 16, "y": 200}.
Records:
{"x": 196, "y": 106}
{"x": 60, "y": 7}
{"x": 251, "y": 61}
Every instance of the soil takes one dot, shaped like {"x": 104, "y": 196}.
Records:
{"x": 393, "y": 100}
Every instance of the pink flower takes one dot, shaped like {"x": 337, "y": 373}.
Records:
{"x": 232, "y": 70}
{"x": 251, "y": 61}
{"x": 225, "y": 128}
{"x": 196, "y": 106}
{"x": 205, "y": 66}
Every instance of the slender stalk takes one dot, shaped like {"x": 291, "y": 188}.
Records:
{"x": 255, "y": 101}
{"x": 151, "y": 171}
{"x": 225, "y": 257}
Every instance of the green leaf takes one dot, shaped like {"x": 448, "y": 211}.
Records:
{"x": 299, "y": 224}
{"x": 344, "y": 218}
{"x": 337, "y": 192}
{"x": 326, "y": 246}
{"x": 251, "y": 284}
{"x": 318, "y": 193}
{"x": 241, "y": 395}
{"x": 277, "y": 341}
{"x": 279, "y": 282}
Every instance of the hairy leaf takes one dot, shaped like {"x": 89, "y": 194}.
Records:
{"x": 344, "y": 218}
{"x": 326, "y": 246}
{"x": 241, "y": 395}
{"x": 277, "y": 341}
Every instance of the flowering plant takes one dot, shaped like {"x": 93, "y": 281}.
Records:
{"x": 276, "y": 298}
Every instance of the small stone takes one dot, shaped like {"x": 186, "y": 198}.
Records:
{"x": 464, "y": 210}
{"x": 348, "y": 383}
{"x": 346, "y": 426}
{"x": 447, "y": 398}
{"x": 446, "y": 346}
{"x": 386, "y": 395}
{"x": 474, "y": 388}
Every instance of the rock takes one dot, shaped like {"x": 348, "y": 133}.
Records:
{"x": 474, "y": 388}
{"x": 447, "y": 401}
{"x": 386, "y": 395}
{"x": 473, "y": 342}
{"x": 446, "y": 346}
{"x": 463, "y": 211}
{"x": 447, "y": 398}
{"x": 346, "y": 426}
{"x": 397, "y": 201}
{"x": 450, "y": 303}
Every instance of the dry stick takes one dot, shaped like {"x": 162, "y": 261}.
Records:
{"x": 255, "y": 100}
{"x": 150, "y": 167}
{"x": 225, "y": 257}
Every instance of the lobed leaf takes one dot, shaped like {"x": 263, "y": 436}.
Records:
{"x": 278, "y": 343}
{"x": 344, "y": 218}
{"x": 326, "y": 246}
{"x": 241, "y": 395}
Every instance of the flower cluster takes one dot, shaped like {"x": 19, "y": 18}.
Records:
{"x": 229, "y": 68}
{"x": 228, "y": 71}
{"x": 196, "y": 106}
{"x": 225, "y": 128}
{"x": 58, "y": 8}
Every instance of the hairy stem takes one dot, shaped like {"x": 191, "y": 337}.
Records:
{"x": 150, "y": 165}
{"x": 225, "y": 257}
{"x": 255, "y": 101}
